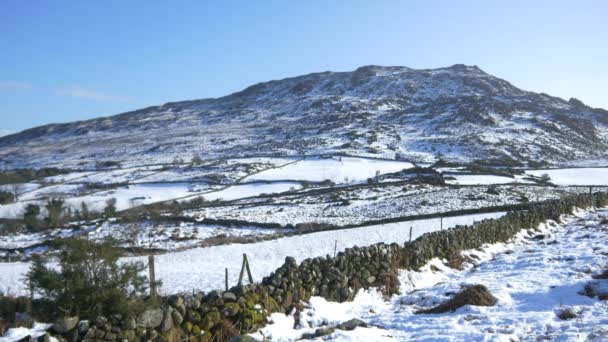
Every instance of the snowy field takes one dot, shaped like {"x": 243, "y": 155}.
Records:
{"x": 203, "y": 268}
{"x": 533, "y": 280}
{"x": 356, "y": 205}
{"x": 483, "y": 179}
{"x": 576, "y": 176}
{"x": 337, "y": 170}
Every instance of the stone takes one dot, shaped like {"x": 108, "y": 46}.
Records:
{"x": 231, "y": 309}
{"x": 130, "y": 324}
{"x": 65, "y": 324}
{"x": 177, "y": 318}
{"x": 351, "y": 324}
{"x": 243, "y": 338}
{"x": 192, "y": 303}
{"x": 370, "y": 280}
{"x": 150, "y": 318}
{"x": 44, "y": 338}
{"x": 100, "y": 321}
{"x": 176, "y": 300}
{"x": 210, "y": 319}
{"x": 129, "y": 335}
{"x": 229, "y": 297}
{"x": 167, "y": 322}
{"x": 83, "y": 327}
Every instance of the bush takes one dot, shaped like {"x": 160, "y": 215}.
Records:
{"x": 90, "y": 281}
{"x": 110, "y": 209}
{"x": 6, "y": 197}
{"x": 30, "y": 217}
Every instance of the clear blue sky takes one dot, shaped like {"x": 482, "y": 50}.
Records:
{"x": 71, "y": 60}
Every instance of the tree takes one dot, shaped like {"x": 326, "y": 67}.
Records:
{"x": 90, "y": 281}
{"x": 196, "y": 160}
{"x": 545, "y": 178}
{"x": 17, "y": 189}
{"x": 84, "y": 211}
{"x": 110, "y": 209}
{"x": 54, "y": 208}
{"x": 30, "y": 217}
{"x": 6, "y": 197}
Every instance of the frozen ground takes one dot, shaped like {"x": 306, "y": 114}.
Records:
{"x": 356, "y": 205}
{"x": 575, "y": 176}
{"x": 203, "y": 268}
{"x": 336, "y": 169}
{"x": 484, "y": 179}
{"x": 533, "y": 279}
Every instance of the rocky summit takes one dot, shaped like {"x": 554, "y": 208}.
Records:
{"x": 458, "y": 113}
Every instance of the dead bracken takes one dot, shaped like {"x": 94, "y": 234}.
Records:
{"x": 477, "y": 295}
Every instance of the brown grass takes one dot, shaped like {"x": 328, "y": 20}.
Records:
{"x": 477, "y": 295}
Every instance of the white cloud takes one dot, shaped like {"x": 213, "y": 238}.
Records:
{"x": 88, "y": 94}
{"x": 14, "y": 85}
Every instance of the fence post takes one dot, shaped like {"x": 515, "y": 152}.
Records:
{"x": 335, "y": 248}
{"x": 411, "y": 233}
{"x": 152, "y": 276}
{"x": 248, "y": 269}
{"x": 242, "y": 273}
{"x": 441, "y": 222}
{"x": 226, "y": 279}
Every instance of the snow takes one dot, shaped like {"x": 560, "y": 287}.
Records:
{"x": 203, "y": 268}
{"x": 146, "y": 193}
{"x": 250, "y": 190}
{"x": 337, "y": 170}
{"x": 16, "y": 334}
{"x": 533, "y": 279}
{"x": 483, "y": 180}
{"x": 575, "y": 176}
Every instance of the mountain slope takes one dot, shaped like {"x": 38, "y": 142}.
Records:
{"x": 459, "y": 112}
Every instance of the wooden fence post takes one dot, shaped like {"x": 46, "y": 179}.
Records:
{"x": 248, "y": 269}
{"x": 226, "y": 279}
{"x": 152, "y": 276}
{"x": 335, "y": 248}
{"x": 441, "y": 222}
{"x": 245, "y": 266}
{"x": 411, "y": 233}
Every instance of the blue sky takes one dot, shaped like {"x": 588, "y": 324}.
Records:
{"x": 71, "y": 60}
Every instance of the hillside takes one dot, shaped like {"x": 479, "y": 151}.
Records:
{"x": 459, "y": 112}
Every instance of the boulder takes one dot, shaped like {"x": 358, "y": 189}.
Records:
{"x": 65, "y": 324}
{"x": 150, "y": 318}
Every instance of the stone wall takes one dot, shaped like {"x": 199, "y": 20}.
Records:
{"x": 218, "y": 316}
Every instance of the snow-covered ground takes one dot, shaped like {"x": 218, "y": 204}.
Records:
{"x": 251, "y": 190}
{"x": 575, "y": 176}
{"x": 484, "y": 179}
{"x": 203, "y": 268}
{"x": 336, "y": 169}
{"x": 533, "y": 279}
{"x": 356, "y": 205}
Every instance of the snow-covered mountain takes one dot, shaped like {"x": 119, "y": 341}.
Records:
{"x": 459, "y": 112}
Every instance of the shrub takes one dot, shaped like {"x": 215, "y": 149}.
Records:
{"x": 6, "y": 197}
{"x": 90, "y": 281}
{"x": 110, "y": 209}
{"x": 54, "y": 208}
{"x": 30, "y": 217}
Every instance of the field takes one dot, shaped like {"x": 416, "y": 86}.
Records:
{"x": 199, "y": 220}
